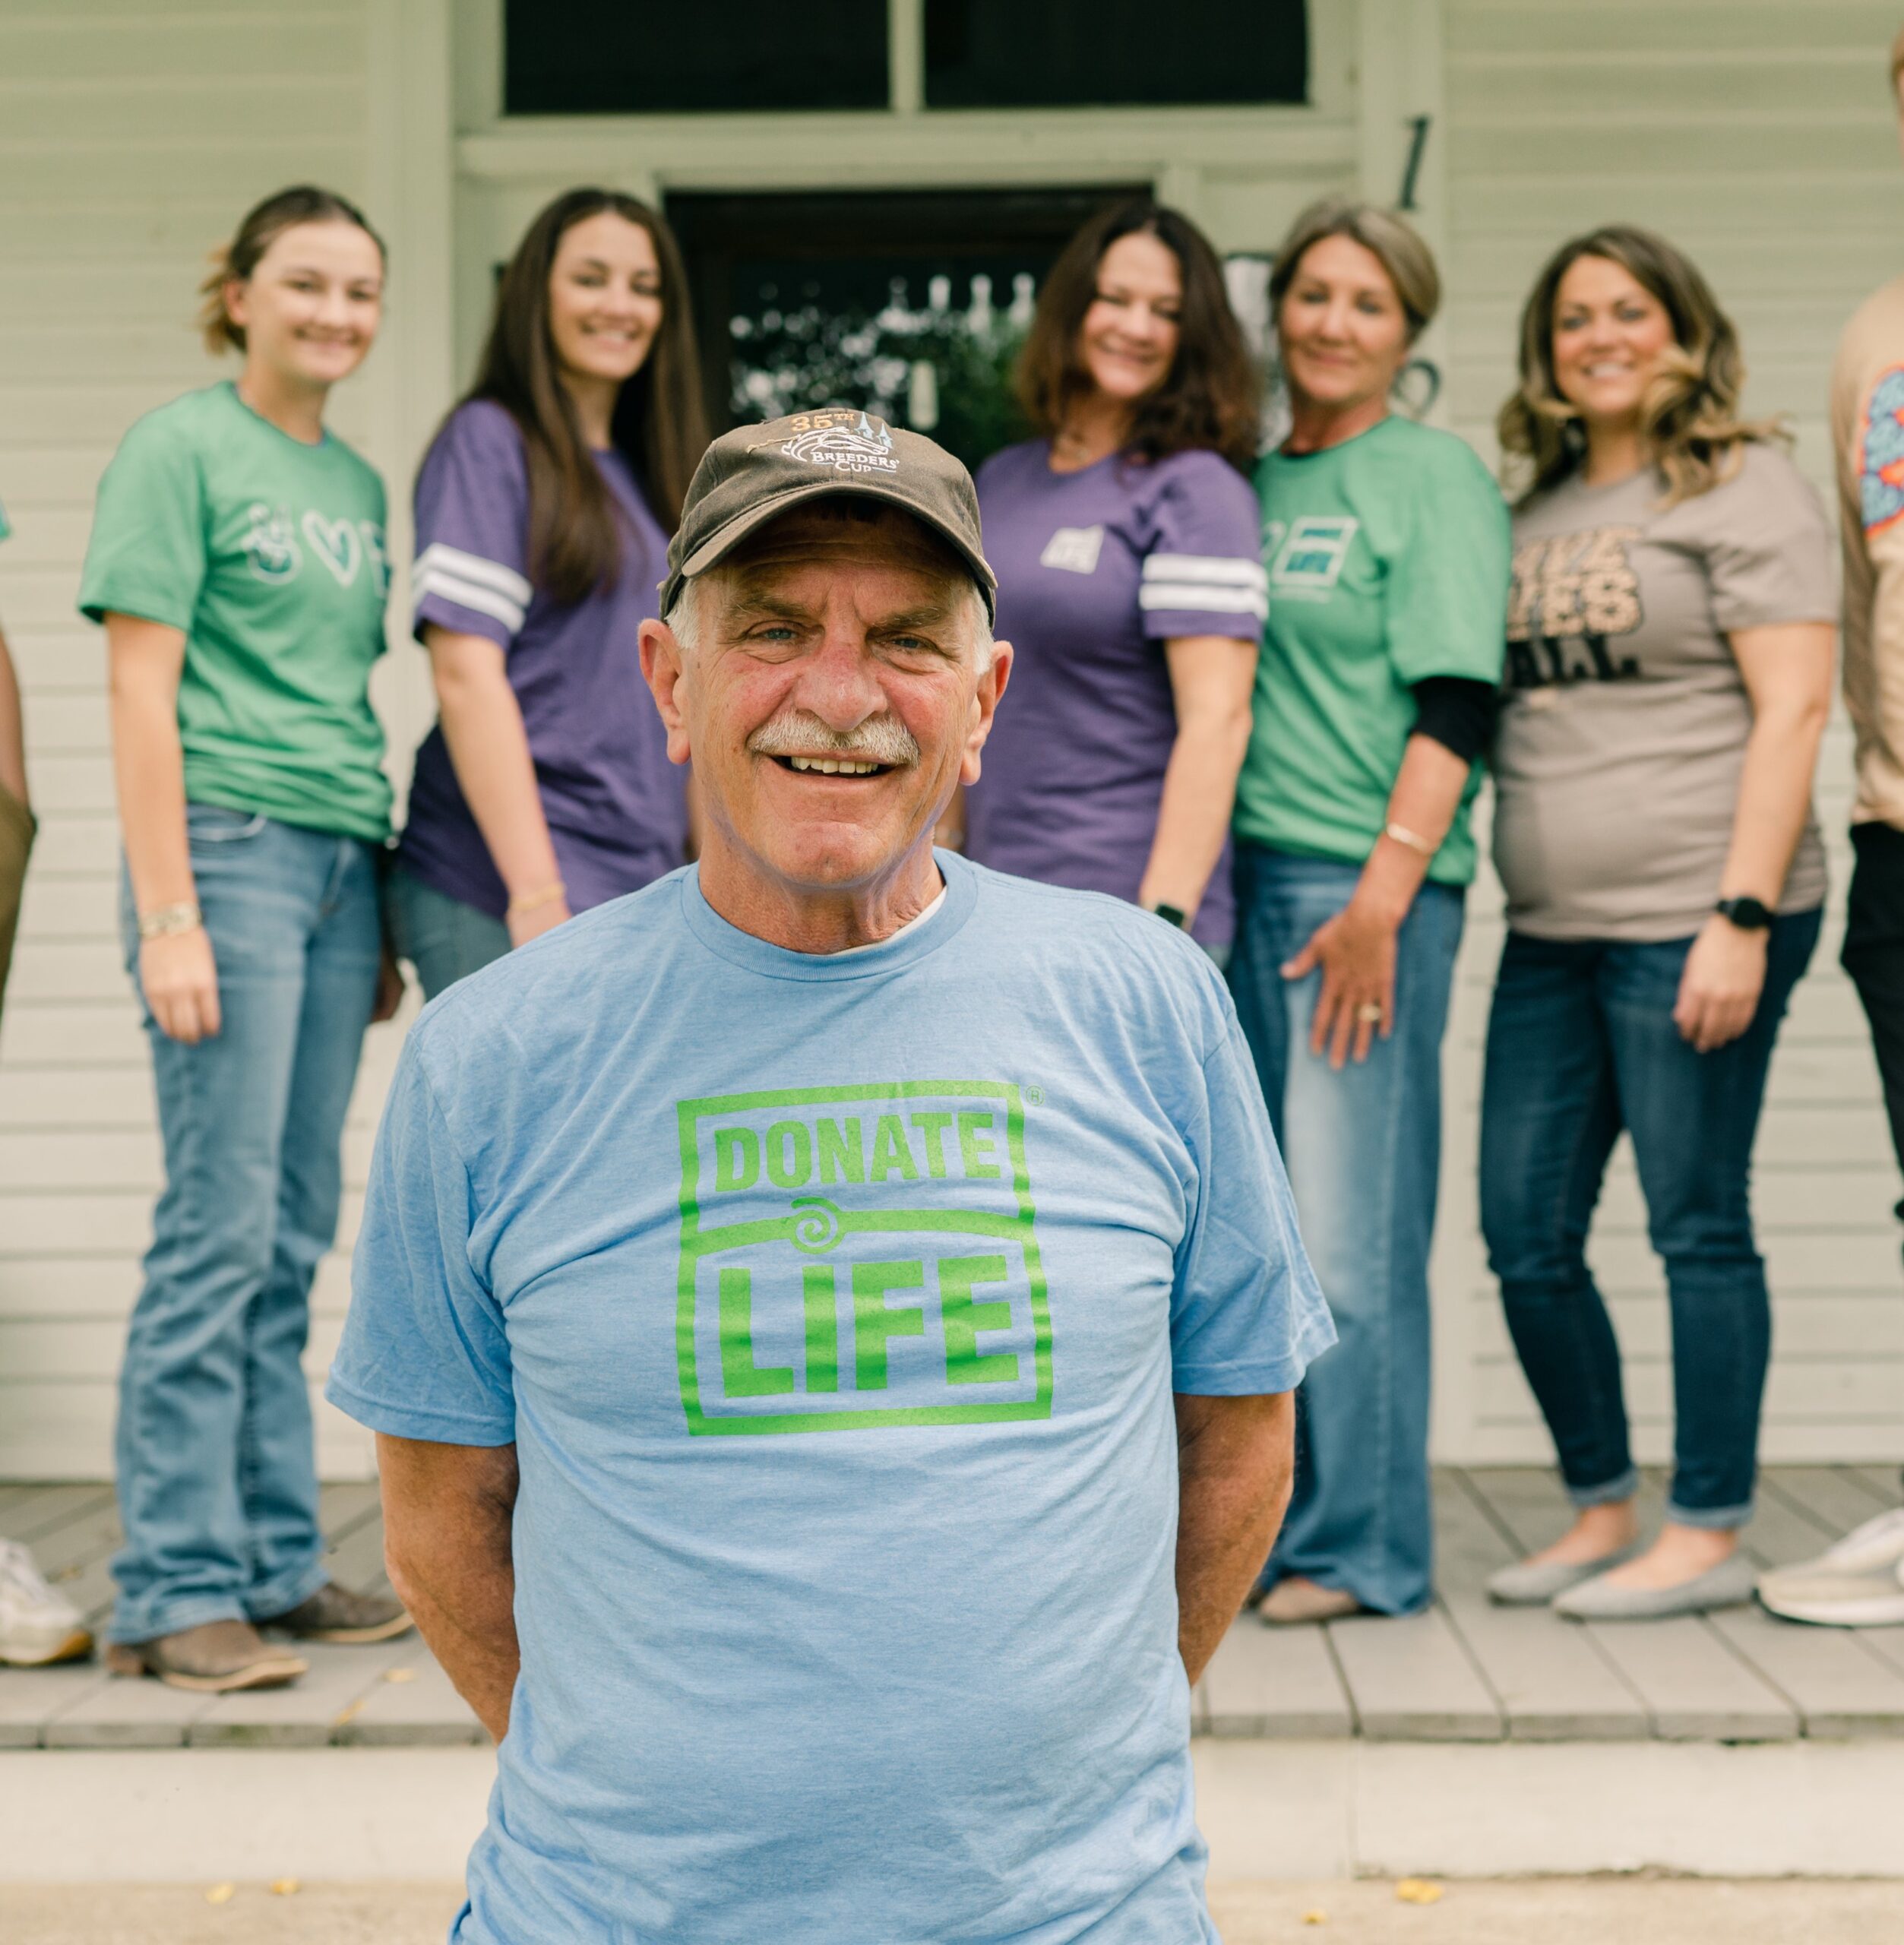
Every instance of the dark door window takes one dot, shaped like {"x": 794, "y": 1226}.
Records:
{"x": 910, "y": 305}
{"x": 611, "y": 57}
{"x": 1074, "y": 53}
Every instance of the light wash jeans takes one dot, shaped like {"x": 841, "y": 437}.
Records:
{"x": 218, "y": 1483}
{"x": 1363, "y": 1150}
{"x": 443, "y": 938}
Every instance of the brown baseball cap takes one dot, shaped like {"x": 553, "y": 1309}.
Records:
{"x": 751, "y": 475}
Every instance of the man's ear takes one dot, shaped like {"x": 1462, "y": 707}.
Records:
{"x": 664, "y": 668}
{"x": 984, "y": 705}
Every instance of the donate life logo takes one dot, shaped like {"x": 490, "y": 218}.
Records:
{"x": 855, "y": 1257}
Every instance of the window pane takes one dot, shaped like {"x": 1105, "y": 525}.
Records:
{"x": 1004, "y": 54}
{"x": 607, "y": 57}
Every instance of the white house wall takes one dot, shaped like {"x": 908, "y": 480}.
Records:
{"x": 133, "y": 132}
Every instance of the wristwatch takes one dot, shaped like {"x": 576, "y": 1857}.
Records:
{"x": 1750, "y": 915}
{"x": 1172, "y": 915}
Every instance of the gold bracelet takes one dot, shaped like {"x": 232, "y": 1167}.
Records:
{"x": 534, "y": 900}
{"x": 170, "y": 921}
{"x": 1403, "y": 835}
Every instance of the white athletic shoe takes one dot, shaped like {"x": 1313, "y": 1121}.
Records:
{"x": 36, "y": 1625}
{"x": 1859, "y": 1583}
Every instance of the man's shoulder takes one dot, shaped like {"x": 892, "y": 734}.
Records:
{"x": 532, "y": 996}
{"x": 1091, "y": 944}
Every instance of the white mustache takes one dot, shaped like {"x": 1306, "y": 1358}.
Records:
{"x": 880, "y": 739}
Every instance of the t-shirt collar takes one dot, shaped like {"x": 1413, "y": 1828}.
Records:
{"x": 912, "y": 942}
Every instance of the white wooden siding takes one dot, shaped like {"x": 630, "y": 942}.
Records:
{"x": 132, "y": 136}
{"x": 1762, "y": 139}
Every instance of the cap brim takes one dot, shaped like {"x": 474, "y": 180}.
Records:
{"x": 724, "y": 539}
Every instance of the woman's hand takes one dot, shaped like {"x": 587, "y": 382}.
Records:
{"x": 390, "y": 988}
{"x": 1718, "y": 990}
{"x": 1356, "y": 952}
{"x": 179, "y": 978}
{"x": 534, "y": 920}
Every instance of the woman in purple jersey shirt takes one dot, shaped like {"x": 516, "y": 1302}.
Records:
{"x": 1127, "y": 544}
{"x": 543, "y": 515}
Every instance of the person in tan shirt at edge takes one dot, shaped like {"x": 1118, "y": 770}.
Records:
{"x": 1859, "y": 1583}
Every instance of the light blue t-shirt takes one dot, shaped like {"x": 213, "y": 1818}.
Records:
{"x": 834, "y": 1306}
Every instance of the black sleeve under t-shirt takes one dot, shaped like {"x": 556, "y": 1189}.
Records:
{"x": 1457, "y": 711}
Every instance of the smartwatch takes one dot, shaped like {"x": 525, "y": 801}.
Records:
{"x": 1172, "y": 915}
{"x": 1750, "y": 915}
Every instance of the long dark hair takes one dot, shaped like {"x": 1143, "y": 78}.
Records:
{"x": 1689, "y": 416}
{"x": 263, "y": 225}
{"x": 1208, "y": 401}
{"x": 574, "y": 536}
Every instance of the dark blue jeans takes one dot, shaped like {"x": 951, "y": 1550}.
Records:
{"x": 1580, "y": 1046}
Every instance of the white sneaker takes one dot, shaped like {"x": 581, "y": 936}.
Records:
{"x": 1859, "y": 1583}
{"x": 36, "y": 1625}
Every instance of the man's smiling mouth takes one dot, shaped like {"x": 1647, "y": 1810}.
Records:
{"x": 834, "y": 766}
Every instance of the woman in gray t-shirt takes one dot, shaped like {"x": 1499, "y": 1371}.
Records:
{"x": 1669, "y": 658}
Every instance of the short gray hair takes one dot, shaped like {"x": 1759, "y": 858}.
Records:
{"x": 685, "y": 617}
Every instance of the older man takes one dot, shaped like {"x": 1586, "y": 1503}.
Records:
{"x": 773, "y": 1291}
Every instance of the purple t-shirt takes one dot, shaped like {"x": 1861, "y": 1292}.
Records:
{"x": 617, "y": 808}
{"x": 1097, "y": 569}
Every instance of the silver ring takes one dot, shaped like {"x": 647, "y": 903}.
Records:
{"x": 1370, "y": 1015}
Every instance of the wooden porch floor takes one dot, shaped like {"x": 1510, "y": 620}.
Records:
{"x": 1464, "y": 1672}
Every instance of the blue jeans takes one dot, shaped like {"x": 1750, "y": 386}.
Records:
{"x": 1363, "y": 1149}
{"x": 1580, "y": 1045}
{"x": 217, "y": 1482}
{"x": 443, "y": 938}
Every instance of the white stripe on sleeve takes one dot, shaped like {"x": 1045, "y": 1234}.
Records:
{"x": 1213, "y": 570}
{"x": 454, "y": 561}
{"x": 1190, "y": 598}
{"x": 465, "y": 594}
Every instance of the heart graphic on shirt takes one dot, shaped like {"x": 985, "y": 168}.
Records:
{"x": 335, "y": 544}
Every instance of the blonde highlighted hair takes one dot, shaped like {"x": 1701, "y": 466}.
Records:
{"x": 233, "y": 262}
{"x": 1689, "y": 416}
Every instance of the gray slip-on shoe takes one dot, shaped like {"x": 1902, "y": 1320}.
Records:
{"x": 1530, "y": 1583}
{"x": 1727, "y": 1585}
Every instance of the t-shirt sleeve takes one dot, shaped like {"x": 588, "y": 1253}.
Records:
{"x": 1770, "y": 556}
{"x": 1204, "y": 575}
{"x": 424, "y": 1354}
{"x": 148, "y": 553}
{"x": 1248, "y": 1317}
{"x": 471, "y": 574}
{"x": 1446, "y": 589}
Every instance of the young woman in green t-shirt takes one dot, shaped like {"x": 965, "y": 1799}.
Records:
{"x": 237, "y": 561}
{"x": 1386, "y": 547}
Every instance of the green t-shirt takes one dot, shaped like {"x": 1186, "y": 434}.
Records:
{"x": 268, "y": 555}
{"x": 1388, "y": 561}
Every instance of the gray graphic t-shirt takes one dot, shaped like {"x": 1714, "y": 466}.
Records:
{"x": 1624, "y": 720}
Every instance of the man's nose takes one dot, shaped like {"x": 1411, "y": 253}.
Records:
{"x": 839, "y": 682}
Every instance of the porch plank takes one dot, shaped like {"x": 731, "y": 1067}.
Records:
{"x": 1833, "y": 1498}
{"x": 1411, "y": 1680}
{"x": 356, "y": 1560}
{"x": 1695, "y": 1689}
{"x": 30, "y": 1698}
{"x": 47, "y": 1508}
{"x": 1274, "y": 1681}
{"x": 426, "y": 1709}
{"x": 344, "y": 1506}
{"x": 126, "y": 1712}
{"x": 307, "y": 1714}
{"x": 1839, "y": 1686}
{"x": 1553, "y": 1683}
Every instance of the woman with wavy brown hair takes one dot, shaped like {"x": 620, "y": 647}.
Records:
{"x": 1124, "y": 537}
{"x": 1670, "y": 644}
{"x": 543, "y": 511}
